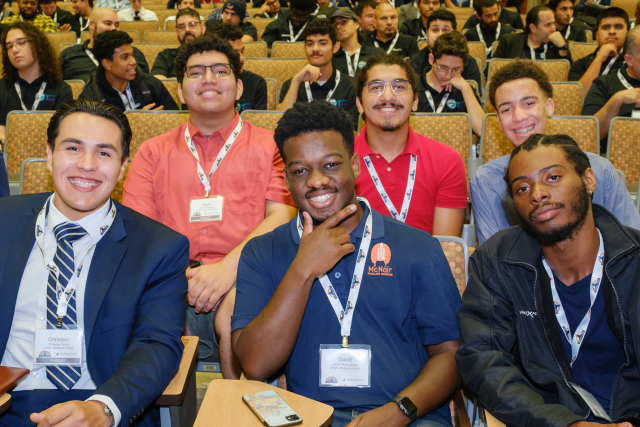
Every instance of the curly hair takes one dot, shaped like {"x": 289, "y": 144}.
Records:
{"x": 321, "y": 27}
{"x": 106, "y": 44}
{"x": 516, "y": 70}
{"x": 206, "y": 43}
{"x": 383, "y": 58}
{"x": 226, "y": 31}
{"x": 41, "y": 49}
{"x": 314, "y": 116}
{"x": 94, "y": 108}
{"x": 452, "y": 44}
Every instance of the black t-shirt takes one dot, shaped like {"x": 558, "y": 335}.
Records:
{"x": 344, "y": 96}
{"x": 278, "y": 30}
{"x": 55, "y": 94}
{"x": 420, "y": 62}
{"x": 506, "y": 18}
{"x": 79, "y": 24}
{"x": 414, "y": 28}
{"x": 489, "y": 35}
{"x": 603, "y": 88}
{"x": 76, "y": 64}
{"x": 576, "y": 34}
{"x": 340, "y": 58}
{"x": 538, "y": 52}
{"x": 579, "y": 67}
{"x": 454, "y": 104}
{"x": 405, "y": 46}
{"x": 254, "y": 92}
{"x": 164, "y": 64}
{"x": 61, "y": 17}
{"x": 324, "y": 12}
{"x": 248, "y": 29}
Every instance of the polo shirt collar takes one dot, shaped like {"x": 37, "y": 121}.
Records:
{"x": 377, "y": 224}
{"x": 423, "y": 77}
{"x": 329, "y": 84}
{"x": 412, "y": 144}
{"x": 223, "y": 133}
{"x": 631, "y": 80}
{"x": 23, "y": 82}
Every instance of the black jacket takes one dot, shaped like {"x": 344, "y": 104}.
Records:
{"x": 145, "y": 89}
{"x": 512, "y": 356}
{"x": 507, "y": 17}
{"x": 512, "y": 46}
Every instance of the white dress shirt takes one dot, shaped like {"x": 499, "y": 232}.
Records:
{"x": 31, "y": 306}
{"x": 145, "y": 15}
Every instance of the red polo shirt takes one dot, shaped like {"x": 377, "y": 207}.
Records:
{"x": 440, "y": 178}
{"x": 163, "y": 179}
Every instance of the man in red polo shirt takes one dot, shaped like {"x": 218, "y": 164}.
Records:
{"x": 405, "y": 175}
{"x": 217, "y": 180}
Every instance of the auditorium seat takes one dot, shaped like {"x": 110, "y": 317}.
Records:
{"x": 133, "y": 33}
{"x": 76, "y": 87}
{"x": 272, "y": 94}
{"x": 556, "y": 69}
{"x": 151, "y": 50}
{"x": 280, "y": 69}
{"x": 139, "y": 26}
{"x": 580, "y": 50}
{"x": 26, "y": 136}
{"x": 476, "y": 49}
{"x": 172, "y": 86}
{"x": 281, "y": 49}
{"x": 260, "y": 23}
{"x": 623, "y": 146}
{"x": 457, "y": 253}
{"x": 148, "y": 124}
{"x": 57, "y": 39}
{"x": 158, "y": 36}
{"x": 63, "y": 46}
{"x": 256, "y": 49}
{"x": 262, "y": 119}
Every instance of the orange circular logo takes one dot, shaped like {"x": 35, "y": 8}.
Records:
{"x": 380, "y": 252}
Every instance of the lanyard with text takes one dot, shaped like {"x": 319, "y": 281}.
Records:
{"x": 307, "y": 86}
{"x": 411, "y": 180}
{"x": 533, "y": 52}
{"x": 624, "y": 81}
{"x": 39, "y": 96}
{"x": 64, "y": 294}
{"x": 345, "y": 316}
{"x": 393, "y": 43}
{"x": 91, "y": 57}
{"x": 293, "y": 39}
{"x": 566, "y": 35}
{"x": 610, "y": 64}
{"x": 433, "y": 105}
{"x": 127, "y": 99}
{"x": 424, "y": 35}
{"x": 596, "y": 280}
{"x": 223, "y": 152}
{"x": 487, "y": 49}
{"x": 84, "y": 27}
{"x": 352, "y": 67}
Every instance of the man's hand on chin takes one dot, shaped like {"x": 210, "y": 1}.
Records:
{"x": 73, "y": 414}
{"x": 388, "y": 415}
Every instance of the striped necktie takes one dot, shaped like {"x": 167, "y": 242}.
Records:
{"x": 63, "y": 377}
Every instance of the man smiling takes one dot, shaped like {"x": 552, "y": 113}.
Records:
{"x": 404, "y": 319}
{"x": 352, "y": 55}
{"x": 119, "y": 81}
{"x": 523, "y": 98}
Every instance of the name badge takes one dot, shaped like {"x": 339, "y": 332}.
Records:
{"x": 207, "y": 209}
{"x": 58, "y": 347}
{"x": 345, "y": 366}
{"x": 594, "y": 405}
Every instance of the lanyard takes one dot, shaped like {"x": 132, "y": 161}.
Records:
{"x": 345, "y": 316}
{"x": 487, "y": 49}
{"x": 307, "y": 86}
{"x": 433, "y": 105}
{"x": 293, "y": 39}
{"x": 64, "y": 294}
{"x": 393, "y": 43}
{"x": 596, "y": 278}
{"x": 533, "y": 52}
{"x": 127, "y": 100}
{"x": 566, "y": 35}
{"x": 223, "y": 152}
{"x": 417, "y": 10}
{"x": 611, "y": 62}
{"x": 82, "y": 28}
{"x": 91, "y": 57}
{"x": 624, "y": 81}
{"x": 55, "y": 17}
{"x": 39, "y": 96}
{"x": 411, "y": 179}
{"x": 356, "y": 57}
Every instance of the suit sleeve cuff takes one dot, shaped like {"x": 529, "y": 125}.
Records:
{"x": 110, "y": 403}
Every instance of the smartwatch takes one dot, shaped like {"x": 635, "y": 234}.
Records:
{"x": 406, "y": 406}
{"x": 565, "y": 47}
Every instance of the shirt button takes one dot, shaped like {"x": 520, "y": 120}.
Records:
{"x": 377, "y": 157}
{"x": 337, "y": 275}
{"x": 35, "y": 375}
{"x": 389, "y": 169}
{"x": 42, "y": 318}
{"x": 204, "y": 231}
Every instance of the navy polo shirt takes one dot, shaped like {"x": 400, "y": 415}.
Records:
{"x": 601, "y": 354}
{"x": 407, "y": 302}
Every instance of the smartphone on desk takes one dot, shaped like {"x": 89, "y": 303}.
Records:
{"x": 272, "y": 410}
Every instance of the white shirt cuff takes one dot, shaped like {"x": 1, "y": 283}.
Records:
{"x": 110, "y": 403}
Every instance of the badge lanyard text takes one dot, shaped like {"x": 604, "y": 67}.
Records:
{"x": 307, "y": 86}
{"x": 411, "y": 179}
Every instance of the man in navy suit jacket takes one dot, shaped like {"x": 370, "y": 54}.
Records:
{"x": 131, "y": 295}
{"x": 4, "y": 179}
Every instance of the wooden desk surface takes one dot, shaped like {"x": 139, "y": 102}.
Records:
{"x": 174, "y": 394}
{"x": 223, "y": 406}
{"x": 5, "y": 403}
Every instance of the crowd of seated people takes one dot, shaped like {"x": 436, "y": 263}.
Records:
{"x": 250, "y": 238}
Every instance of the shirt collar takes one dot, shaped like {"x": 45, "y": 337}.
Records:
{"x": 363, "y": 148}
{"x": 37, "y": 81}
{"x": 223, "y": 133}
{"x": 329, "y": 84}
{"x": 631, "y": 80}
{"x": 91, "y": 223}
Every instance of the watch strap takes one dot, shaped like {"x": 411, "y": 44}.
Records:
{"x": 406, "y": 406}
{"x": 109, "y": 414}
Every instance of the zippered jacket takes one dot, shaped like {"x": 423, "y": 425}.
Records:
{"x": 512, "y": 356}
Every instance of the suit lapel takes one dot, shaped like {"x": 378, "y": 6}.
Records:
{"x": 104, "y": 266}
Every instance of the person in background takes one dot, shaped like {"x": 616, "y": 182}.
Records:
{"x": 82, "y": 17}
{"x": 188, "y": 27}
{"x": 418, "y": 27}
{"x": 489, "y": 29}
{"x": 114, "y": 5}
{"x": 352, "y": 55}
{"x": 366, "y": 12}
{"x": 171, "y": 4}
{"x": 270, "y": 9}
{"x": 506, "y": 17}
{"x": 137, "y": 13}
{"x": 387, "y": 37}
{"x": 290, "y": 26}
{"x": 233, "y": 12}
{"x": 28, "y": 11}
{"x": 60, "y": 17}
{"x": 182, "y": 4}
{"x": 563, "y": 11}
{"x": 4, "y": 12}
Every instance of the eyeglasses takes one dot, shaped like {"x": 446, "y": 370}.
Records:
{"x": 20, "y": 43}
{"x": 398, "y": 87}
{"x": 444, "y": 70}
{"x": 191, "y": 25}
{"x": 198, "y": 71}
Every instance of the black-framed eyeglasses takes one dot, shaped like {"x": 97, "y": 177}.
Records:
{"x": 398, "y": 87}
{"x": 191, "y": 25}
{"x": 198, "y": 71}
{"x": 20, "y": 43}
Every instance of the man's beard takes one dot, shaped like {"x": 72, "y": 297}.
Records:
{"x": 28, "y": 17}
{"x": 579, "y": 206}
{"x": 491, "y": 25}
{"x": 318, "y": 221}
{"x": 388, "y": 126}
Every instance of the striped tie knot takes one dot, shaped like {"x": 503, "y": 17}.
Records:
{"x": 68, "y": 232}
